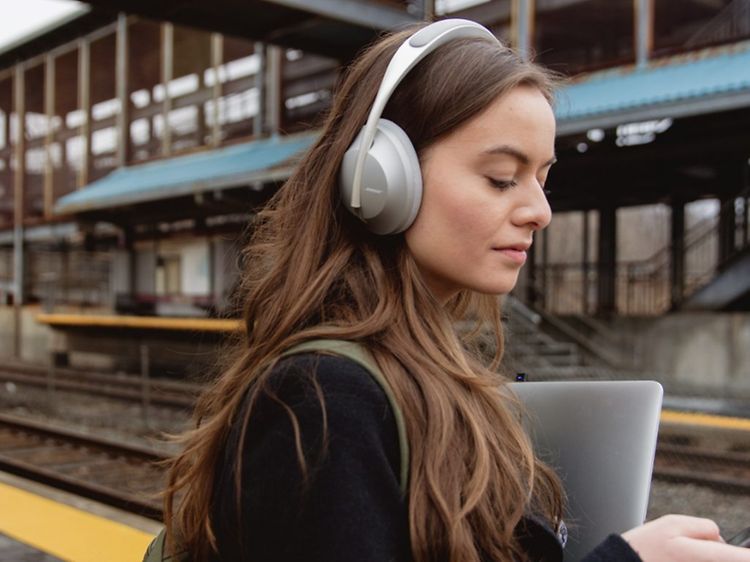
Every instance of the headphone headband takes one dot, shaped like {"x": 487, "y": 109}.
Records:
{"x": 411, "y": 51}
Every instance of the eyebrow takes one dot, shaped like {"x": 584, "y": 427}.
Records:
{"x": 517, "y": 154}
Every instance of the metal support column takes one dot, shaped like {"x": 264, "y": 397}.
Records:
{"x": 607, "y": 261}
{"x": 644, "y": 30}
{"x": 217, "y": 59}
{"x": 731, "y": 178}
{"x": 122, "y": 66}
{"x": 542, "y": 301}
{"x": 84, "y": 104}
{"x": 259, "y": 122}
{"x": 19, "y": 108}
{"x": 677, "y": 252}
{"x": 531, "y": 292}
{"x": 585, "y": 264}
{"x": 273, "y": 101}
{"x": 522, "y": 26}
{"x": 167, "y": 69}
{"x": 49, "y": 110}
{"x": 427, "y": 10}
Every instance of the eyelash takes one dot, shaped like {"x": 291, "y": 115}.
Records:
{"x": 502, "y": 184}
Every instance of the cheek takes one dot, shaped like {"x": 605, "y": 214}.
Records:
{"x": 453, "y": 222}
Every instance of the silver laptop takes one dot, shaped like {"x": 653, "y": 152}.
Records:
{"x": 600, "y": 436}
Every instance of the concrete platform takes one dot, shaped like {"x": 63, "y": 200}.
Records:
{"x": 14, "y": 551}
{"x": 39, "y": 523}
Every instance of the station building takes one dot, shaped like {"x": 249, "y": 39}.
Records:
{"x": 137, "y": 139}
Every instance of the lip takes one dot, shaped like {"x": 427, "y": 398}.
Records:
{"x": 516, "y": 256}
{"x": 515, "y": 252}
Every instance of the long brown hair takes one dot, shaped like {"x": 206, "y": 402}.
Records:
{"x": 313, "y": 271}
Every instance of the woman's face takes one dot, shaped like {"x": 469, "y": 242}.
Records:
{"x": 483, "y": 196}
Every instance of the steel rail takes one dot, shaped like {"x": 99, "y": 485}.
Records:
{"x": 40, "y": 437}
{"x": 727, "y": 470}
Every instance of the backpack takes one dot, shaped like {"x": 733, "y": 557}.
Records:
{"x": 343, "y": 348}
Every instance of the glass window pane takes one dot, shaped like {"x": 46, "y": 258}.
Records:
{"x": 239, "y": 101}
{"x": 104, "y": 107}
{"x": 36, "y": 124}
{"x": 66, "y": 148}
{"x": 6, "y": 154}
{"x": 145, "y": 90}
{"x": 307, "y": 85}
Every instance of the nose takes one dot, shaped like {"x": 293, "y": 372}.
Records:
{"x": 533, "y": 208}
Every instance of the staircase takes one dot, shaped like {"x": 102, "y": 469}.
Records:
{"x": 546, "y": 347}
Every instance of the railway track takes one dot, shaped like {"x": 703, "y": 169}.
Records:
{"x": 124, "y": 476}
{"x": 726, "y": 471}
{"x": 170, "y": 394}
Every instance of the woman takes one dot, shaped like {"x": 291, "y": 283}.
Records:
{"x": 298, "y": 457}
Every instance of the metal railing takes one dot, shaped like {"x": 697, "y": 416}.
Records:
{"x": 730, "y": 24}
{"x": 645, "y": 287}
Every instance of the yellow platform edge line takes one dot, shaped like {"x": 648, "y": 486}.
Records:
{"x": 149, "y": 322}
{"x": 66, "y": 532}
{"x": 704, "y": 420}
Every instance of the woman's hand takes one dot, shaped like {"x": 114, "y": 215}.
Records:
{"x": 679, "y": 538}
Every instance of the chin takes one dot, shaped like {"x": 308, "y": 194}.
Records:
{"x": 499, "y": 286}
{"x": 496, "y": 289}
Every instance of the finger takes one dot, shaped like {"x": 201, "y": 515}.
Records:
{"x": 696, "y": 527}
{"x": 700, "y": 550}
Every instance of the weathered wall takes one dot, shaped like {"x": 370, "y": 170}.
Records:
{"x": 707, "y": 352}
{"x": 36, "y": 338}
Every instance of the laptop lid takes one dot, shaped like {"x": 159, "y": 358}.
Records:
{"x": 600, "y": 436}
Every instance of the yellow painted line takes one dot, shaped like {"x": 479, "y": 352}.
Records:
{"x": 705, "y": 420}
{"x": 66, "y": 532}
{"x": 148, "y": 322}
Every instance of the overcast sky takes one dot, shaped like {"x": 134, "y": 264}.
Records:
{"x": 21, "y": 17}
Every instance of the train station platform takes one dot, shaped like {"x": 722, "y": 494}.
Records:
{"x": 41, "y": 524}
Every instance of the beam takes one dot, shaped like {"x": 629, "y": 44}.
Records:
{"x": 487, "y": 13}
{"x": 682, "y": 108}
{"x": 363, "y": 12}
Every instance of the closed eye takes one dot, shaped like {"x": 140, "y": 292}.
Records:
{"x": 502, "y": 184}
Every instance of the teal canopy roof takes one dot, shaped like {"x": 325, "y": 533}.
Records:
{"x": 263, "y": 160}
{"x": 696, "y": 83}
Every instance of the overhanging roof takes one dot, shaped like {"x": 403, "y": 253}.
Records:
{"x": 328, "y": 27}
{"x": 264, "y": 160}
{"x": 697, "y": 83}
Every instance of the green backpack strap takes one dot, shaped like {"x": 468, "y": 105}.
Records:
{"x": 155, "y": 551}
{"x": 359, "y": 354}
{"x": 343, "y": 348}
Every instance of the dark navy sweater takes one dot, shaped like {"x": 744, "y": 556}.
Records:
{"x": 349, "y": 506}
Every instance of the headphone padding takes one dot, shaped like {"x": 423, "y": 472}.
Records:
{"x": 391, "y": 180}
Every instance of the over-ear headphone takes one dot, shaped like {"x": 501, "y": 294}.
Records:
{"x": 380, "y": 179}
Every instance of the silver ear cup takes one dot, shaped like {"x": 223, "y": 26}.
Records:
{"x": 391, "y": 181}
